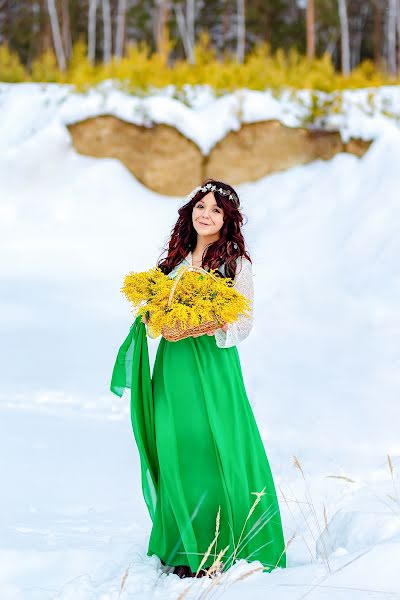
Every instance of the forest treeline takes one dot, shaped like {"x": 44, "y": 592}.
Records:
{"x": 228, "y": 43}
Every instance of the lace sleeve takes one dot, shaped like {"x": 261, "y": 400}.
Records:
{"x": 240, "y": 329}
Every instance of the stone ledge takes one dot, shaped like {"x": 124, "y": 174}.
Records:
{"x": 167, "y": 162}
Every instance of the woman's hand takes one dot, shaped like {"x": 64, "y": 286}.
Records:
{"x": 144, "y": 320}
{"x": 224, "y": 327}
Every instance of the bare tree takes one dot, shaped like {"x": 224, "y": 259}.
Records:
{"x": 45, "y": 36}
{"x": 226, "y": 21}
{"x": 184, "y": 33}
{"x": 391, "y": 35}
{"x": 310, "y": 19}
{"x": 92, "y": 30}
{"x": 344, "y": 30}
{"x": 120, "y": 29}
{"x": 35, "y": 29}
{"x": 357, "y": 25}
{"x": 398, "y": 33}
{"x": 190, "y": 20}
{"x": 377, "y": 32}
{"x": 3, "y": 20}
{"x": 161, "y": 33}
{"x": 107, "y": 31}
{"x": 333, "y": 36}
{"x": 160, "y": 21}
{"x": 186, "y": 26}
{"x": 55, "y": 27}
{"x": 66, "y": 28}
{"x": 241, "y": 30}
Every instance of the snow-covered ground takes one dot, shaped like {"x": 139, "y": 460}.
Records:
{"x": 322, "y": 364}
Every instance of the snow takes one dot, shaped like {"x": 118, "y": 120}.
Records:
{"x": 321, "y": 365}
{"x": 196, "y": 111}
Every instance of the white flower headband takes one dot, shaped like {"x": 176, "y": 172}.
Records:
{"x": 212, "y": 188}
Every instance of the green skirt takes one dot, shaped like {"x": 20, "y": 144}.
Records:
{"x": 201, "y": 452}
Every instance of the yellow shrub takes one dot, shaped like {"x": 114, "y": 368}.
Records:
{"x": 45, "y": 68}
{"x": 204, "y": 53}
{"x": 141, "y": 70}
{"x": 80, "y": 70}
{"x": 11, "y": 69}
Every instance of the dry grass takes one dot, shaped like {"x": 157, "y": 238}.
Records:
{"x": 298, "y": 466}
{"x": 218, "y": 567}
{"x": 124, "y": 578}
{"x": 395, "y": 498}
{"x": 256, "y": 501}
{"x": 318, "y": 584}
{"x": 221, "y": 575}
{"x": 313, "y": 525}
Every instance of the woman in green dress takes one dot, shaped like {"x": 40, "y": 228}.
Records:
{"x": 200, "y": 448}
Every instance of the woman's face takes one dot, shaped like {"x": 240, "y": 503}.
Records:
{"x": 207, "y": 216}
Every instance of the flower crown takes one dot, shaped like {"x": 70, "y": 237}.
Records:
{"x": 212, "y": 188}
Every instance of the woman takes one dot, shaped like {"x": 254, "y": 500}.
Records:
{"x": 200, "y": 447}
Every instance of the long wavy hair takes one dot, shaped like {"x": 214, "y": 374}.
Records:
{"x": 225, "y": 250}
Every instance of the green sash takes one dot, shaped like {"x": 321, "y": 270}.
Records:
{"x": 132, "y": 370}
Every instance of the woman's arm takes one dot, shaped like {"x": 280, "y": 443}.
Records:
{"x": 240, "y": 329}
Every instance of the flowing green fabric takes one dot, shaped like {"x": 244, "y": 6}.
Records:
{"x": 199, "y": 441}
{"x": 132, "y": 365}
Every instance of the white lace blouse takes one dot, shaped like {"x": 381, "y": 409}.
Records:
{"x": 243, "y": 283}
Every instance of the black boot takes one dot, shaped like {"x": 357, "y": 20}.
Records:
{"x": 183, "y": 571}
{"x": 186, "y": 571}
{"x": 201, "y": 573}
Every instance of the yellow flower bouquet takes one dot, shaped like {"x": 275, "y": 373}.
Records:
{"x": 195, "y": 301}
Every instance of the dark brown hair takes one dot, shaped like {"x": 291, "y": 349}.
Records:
{"x": 226, "y": 249}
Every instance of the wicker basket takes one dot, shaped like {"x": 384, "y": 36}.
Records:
{"x": 173, "y": 334}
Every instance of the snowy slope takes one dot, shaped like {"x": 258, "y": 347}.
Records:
{"x": 321, "y": 365}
